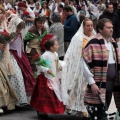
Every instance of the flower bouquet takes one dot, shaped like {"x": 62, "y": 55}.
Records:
{"x": 5, "y": 37}
{"x": 40, "y": 61}
{"x": 26, "y": 14}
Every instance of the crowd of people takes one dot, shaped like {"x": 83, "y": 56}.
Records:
{"x": 60, "y": 56}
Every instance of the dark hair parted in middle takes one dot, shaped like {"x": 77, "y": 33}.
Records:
{"x": 40, "y": 18}
{"x": 101, "y": 23}
{"x": 50, "y": 43}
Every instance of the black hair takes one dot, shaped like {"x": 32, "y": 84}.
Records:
{"x": 60, "y": 6}
{"x": 67, "y": 9}
{"x": 50, "y": 43}
{"x": 107, "y": 5}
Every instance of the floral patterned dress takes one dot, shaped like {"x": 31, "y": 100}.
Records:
{"x": 17, "y": 83}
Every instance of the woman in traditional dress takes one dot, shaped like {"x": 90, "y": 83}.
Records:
{"x": 34, "y": 36}
{"x": 73, "y": 82}
{"x": 37, "y": 8}
{"x": 8, "y": 97}
{"x": 46, "y": 97}
{"x": 57, "y": 29}
{"x": 16, "y": 80}
{"x": 31, "y": 4}
{"x": 27, "y": 15}
{"x": 45, "y": 11}
{"x": 16, "y": 25}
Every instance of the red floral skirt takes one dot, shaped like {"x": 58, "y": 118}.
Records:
{"x": 44, "y": 99}
{"x": 27, "y": 72}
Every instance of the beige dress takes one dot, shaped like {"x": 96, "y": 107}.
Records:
{"x": 7, "y": 95}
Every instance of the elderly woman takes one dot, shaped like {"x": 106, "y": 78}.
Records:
{"x": 57, "y": 29}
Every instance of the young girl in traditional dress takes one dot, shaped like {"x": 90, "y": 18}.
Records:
{"x": 16, "y": 24}
{"x": 46, "y": 97}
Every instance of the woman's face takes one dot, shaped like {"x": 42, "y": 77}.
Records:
{"x": 37, "y": 6}
{"x": 31, "y": 1}
{"x": 88, "y": 27}
{"x": 40, "y": 25}
{"x": 44, "y": 5}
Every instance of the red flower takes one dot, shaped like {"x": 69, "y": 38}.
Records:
{"x": 5, "y": 33}
{"x": 36, "y": 57}
{"x": 26, "y": 13}
{"x": 5, "y": 37}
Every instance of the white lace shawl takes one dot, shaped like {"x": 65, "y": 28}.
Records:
{"x": 72, "y": 73}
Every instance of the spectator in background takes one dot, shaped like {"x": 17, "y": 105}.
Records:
{"x": 7, "y": 5}
{"x": 27, "y": 15}
{"x": 37, "y": 8}
{"x": 101, "y": 6}
{"x": 66, "y": 2}
{"x": 118, "y": 11}
{"x": 53, "y": 7}
{"x": 57, "y": 29}
{"x": 109, "y": 14}
{"x": 73, "y": 7}
{"x": 81, "y": 14}
{"x": 70, "y": 25}
{"x": 114, "y": 2}
{"x": 61, "y": 13}
{"x": 60, "y": 9}
{"x": 45, "y": 11}
{"x": 1, "y": 2}
{"x": 31, "y": 4}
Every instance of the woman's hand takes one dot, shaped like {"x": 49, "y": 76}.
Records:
{"x": 2, "y": 46}
{"x": 95, "y": 90}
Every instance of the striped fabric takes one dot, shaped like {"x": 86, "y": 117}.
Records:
{"x": 96, "y": 56}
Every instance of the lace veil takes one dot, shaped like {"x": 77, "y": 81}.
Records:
{"x": 72, "y": 73}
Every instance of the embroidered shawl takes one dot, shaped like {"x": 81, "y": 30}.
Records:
{"x": 34, "y": 34}
{"x": 96, "y": 56}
